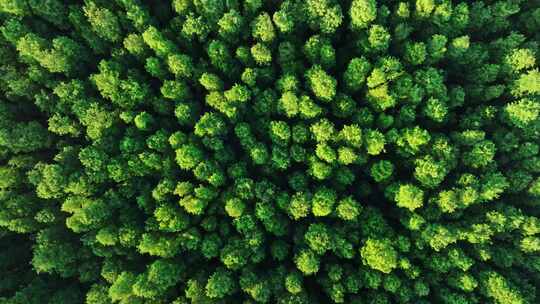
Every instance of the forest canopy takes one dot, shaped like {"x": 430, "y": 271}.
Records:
{"x": 284, "y": 151}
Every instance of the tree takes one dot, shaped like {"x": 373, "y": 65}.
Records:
{"x": 362, "y": 13}
{"x": 325, "y": 15}
{"x": 219, "y": 284}
{"x": 180, "y": 65}
{"x": 379, "y": 255}
{"x": 429, "y": 172}
{"x": 409, "y": 196}
{"x": 322, "y": 85}
{"x": 307, "y": 262}
{"x": 318, "y": 238}
{"x": 319, "y": 51}
{"x": 522, "y": 112}
{"x": 157, "y": 42}
{"x": 356, "y": 73}
{"x": 14, "y": 7}
{"x": 121, "y": 289}
{"x": 499, "y": 289}
{"x": 104, "y": 23}
{"x": 261, "y": 54}
{"x": 375, "y": 142}
{"x": 382, "y": 170}
{"x": 322, "y": 130}
{"x": 57, "y": 56}
{"x": 126, "y": 93}
{"x": 348, "y": 209}
{"x": 415, "y": 53}
{"x": 230, "y": 24}
{"x": 323, "y": 201}
{"x": 262, "y": 28}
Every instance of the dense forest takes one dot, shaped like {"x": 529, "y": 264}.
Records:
{"x": 269, "y": 151}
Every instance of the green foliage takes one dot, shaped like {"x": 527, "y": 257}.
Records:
{"x": 362, "y": 13}
{"x": 250, "y": 151}
{"x": 348, "y": 209}
{"x": 381, "y": 170}
{"x": 262, "y": 28}
{"x": 379, "y": 254}
{"x": 104, "y": 23}
{"x": 323, "y": 201}
{"x": 307, "y": 262}
{"x": 318, "y": 238}
{"x": 322, "y": 85}
{"x": 497, "y": 288}
{"x": 375, "y": 142}
{"x": 325, "y": 15}
{"x": 523, "y": 112}
{"x": 356, "y": 73}
{"x": 219, "y": 284}
{"x": 261, "y": 54}
{"x": 409, "y": 196}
